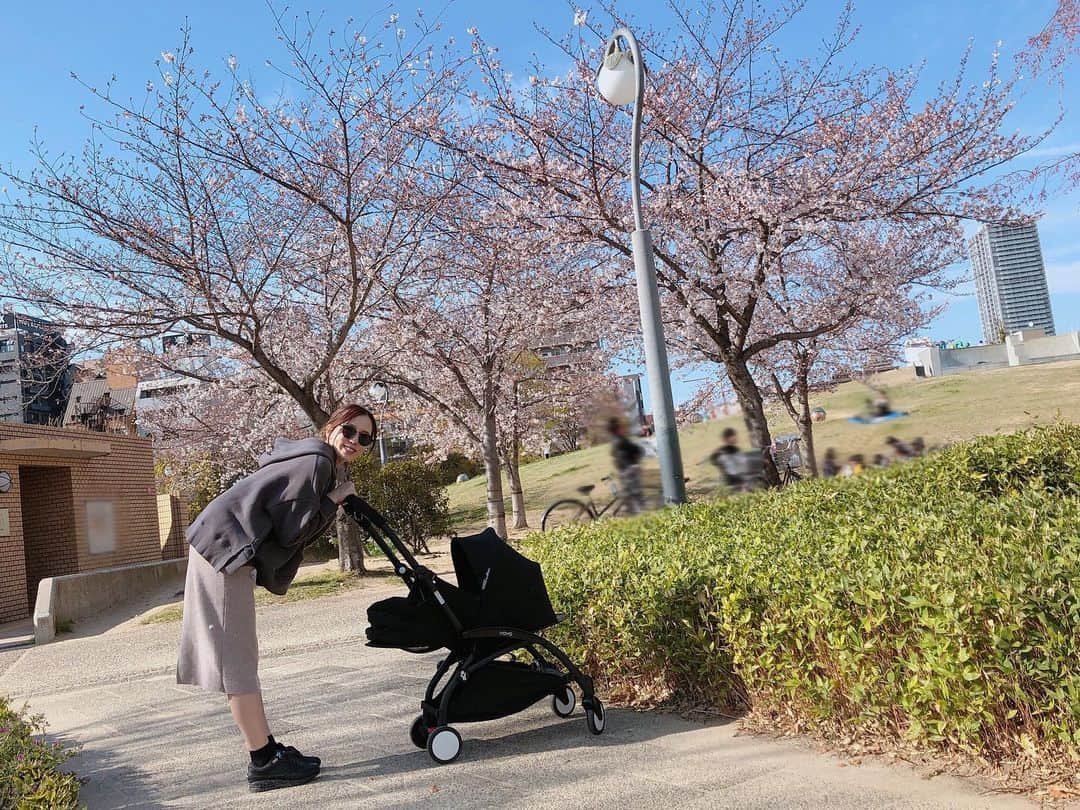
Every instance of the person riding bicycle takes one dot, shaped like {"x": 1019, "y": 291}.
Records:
{"x": 626, "y": 455}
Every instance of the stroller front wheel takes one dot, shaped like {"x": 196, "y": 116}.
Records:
{"x": 594, "y": 716}
{"x": 444, "y": 745}
{"x": 419, "y": 732}
{"x": 563, "y": 705}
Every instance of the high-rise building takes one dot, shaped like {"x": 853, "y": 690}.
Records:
{"x": 1010, "y": 280}
{"x": 35, "y": 373}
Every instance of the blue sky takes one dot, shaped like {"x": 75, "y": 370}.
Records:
{"x": 44, "y": 42}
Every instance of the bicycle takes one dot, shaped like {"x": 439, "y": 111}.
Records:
{"x": 746, "y": 469}
{"x": 567, "y": 511}
{"x": 788, "y": 460}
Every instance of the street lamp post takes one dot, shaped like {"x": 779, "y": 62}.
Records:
{"x": 621, "y": 80}
{"x": 380, "y": 392}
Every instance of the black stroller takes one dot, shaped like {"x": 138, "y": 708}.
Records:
{"x": 498, "y": 607}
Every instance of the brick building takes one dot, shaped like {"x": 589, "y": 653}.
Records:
{"x": 75, "y": 501}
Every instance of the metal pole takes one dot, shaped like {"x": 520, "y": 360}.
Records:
{"x": 382, "y": 435}
{"x": 656, "y": 364}
{"x": 652, "y": 325}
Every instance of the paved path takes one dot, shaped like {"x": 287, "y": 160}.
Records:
{"x": 150, "y": 744}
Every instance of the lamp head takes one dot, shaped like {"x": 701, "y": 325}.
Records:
{"x": 378, "y": 391}
{"x": 617, "y": 77}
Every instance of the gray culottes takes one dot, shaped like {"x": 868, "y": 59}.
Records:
{"x": 219, "y": 650}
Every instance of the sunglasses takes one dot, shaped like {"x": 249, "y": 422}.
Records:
{"x": 362, "y": 438}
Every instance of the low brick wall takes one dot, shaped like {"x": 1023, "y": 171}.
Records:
{"x": 77, "y": 596}
{"x": 68, "y": 511}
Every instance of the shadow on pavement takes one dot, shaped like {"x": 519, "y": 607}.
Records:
{"x": 105, "y": 780}
{"x": 624, "y": 727}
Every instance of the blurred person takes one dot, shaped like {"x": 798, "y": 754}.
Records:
{"x": 726, "y": 458}
{"x": 855, "y": 465}
{"x": 882, "y": 406}
{"x": 901, "y": 452}
{"x": 829, "y": 467}
{"x": 626, "y": 455}
{"x": 918, "y": 446}
{"x": 880, "y": 460}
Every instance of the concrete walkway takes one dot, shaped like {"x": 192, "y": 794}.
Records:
{"x": 16, "y": 634}
{"x": 150, "y": 744}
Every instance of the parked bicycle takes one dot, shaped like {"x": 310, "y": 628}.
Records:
{"x": 747, "y": 469}
{"x": 788, "y": 459}
{"x": 566, "y": 511}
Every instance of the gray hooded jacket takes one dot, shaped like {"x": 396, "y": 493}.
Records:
{"x": 267, "y": 518}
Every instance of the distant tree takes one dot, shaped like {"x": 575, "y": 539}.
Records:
{"x": 461, "y": 334}
{"x": 858, "y": 295}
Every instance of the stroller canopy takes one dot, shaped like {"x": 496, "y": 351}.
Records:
{"x": 510, "y": 587}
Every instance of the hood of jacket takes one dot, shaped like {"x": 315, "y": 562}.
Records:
{"x": 285, "y": 449}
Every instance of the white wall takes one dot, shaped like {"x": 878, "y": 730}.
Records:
{"x": 1018, "y": 349}
{"x": 974, "y": 357}
{"x": 1048, "y": 348}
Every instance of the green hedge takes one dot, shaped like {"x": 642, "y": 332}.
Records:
{"x": 29, "y": 766}
{"x": 937, "y": 601}
{"x": 409, "y": 495}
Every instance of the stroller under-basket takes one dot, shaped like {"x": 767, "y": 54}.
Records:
{"x": 498, "y": 608}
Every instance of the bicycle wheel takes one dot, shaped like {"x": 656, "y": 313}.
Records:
{"x": 565, "y": 513}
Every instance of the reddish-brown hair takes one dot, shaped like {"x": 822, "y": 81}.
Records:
{"x": 346, "y": 413}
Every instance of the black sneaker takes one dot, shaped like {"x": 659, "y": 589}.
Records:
{"x": 284, "y": 770}
{"x": 290, "y": 750}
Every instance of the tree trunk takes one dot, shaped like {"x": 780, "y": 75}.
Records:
{"x": 350, "y": 547}
{"x": 806, "y": 433}
{"x": 493, "y": 469}
{"x": 806, "y": 426}
{"x": 753, "y": 408}
{"x": 517, "y": 494}
{"x": 511, "y": 459}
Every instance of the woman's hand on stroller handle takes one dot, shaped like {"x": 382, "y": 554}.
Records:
{"x": 342, "y": 491}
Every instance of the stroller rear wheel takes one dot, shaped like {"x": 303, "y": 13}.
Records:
{"x": 444, "y": 745}
{"x": 563, "y": 705}
{"x": 419, "y": 732}
{"x": 594, "y": 716}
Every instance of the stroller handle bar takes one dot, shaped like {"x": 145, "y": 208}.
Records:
{"x": 376, "y": 527}
{"x": 411, "y": 572}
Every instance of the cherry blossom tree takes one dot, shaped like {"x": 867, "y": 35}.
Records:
{"x": 541, "y": 390}
{"x": 856, "y": 295}
{"x": 1049, "y": 53}
{"x": 275, "y": 218}
{"x": 748, "y": 157}
{"x": 796, "y": 370}
{"x": 1056, "y": 43}
{"x": 465, "y": 329}
{"x": 213, "y": 206}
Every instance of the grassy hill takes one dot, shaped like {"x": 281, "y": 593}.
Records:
{"x": 941, "y": 410}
